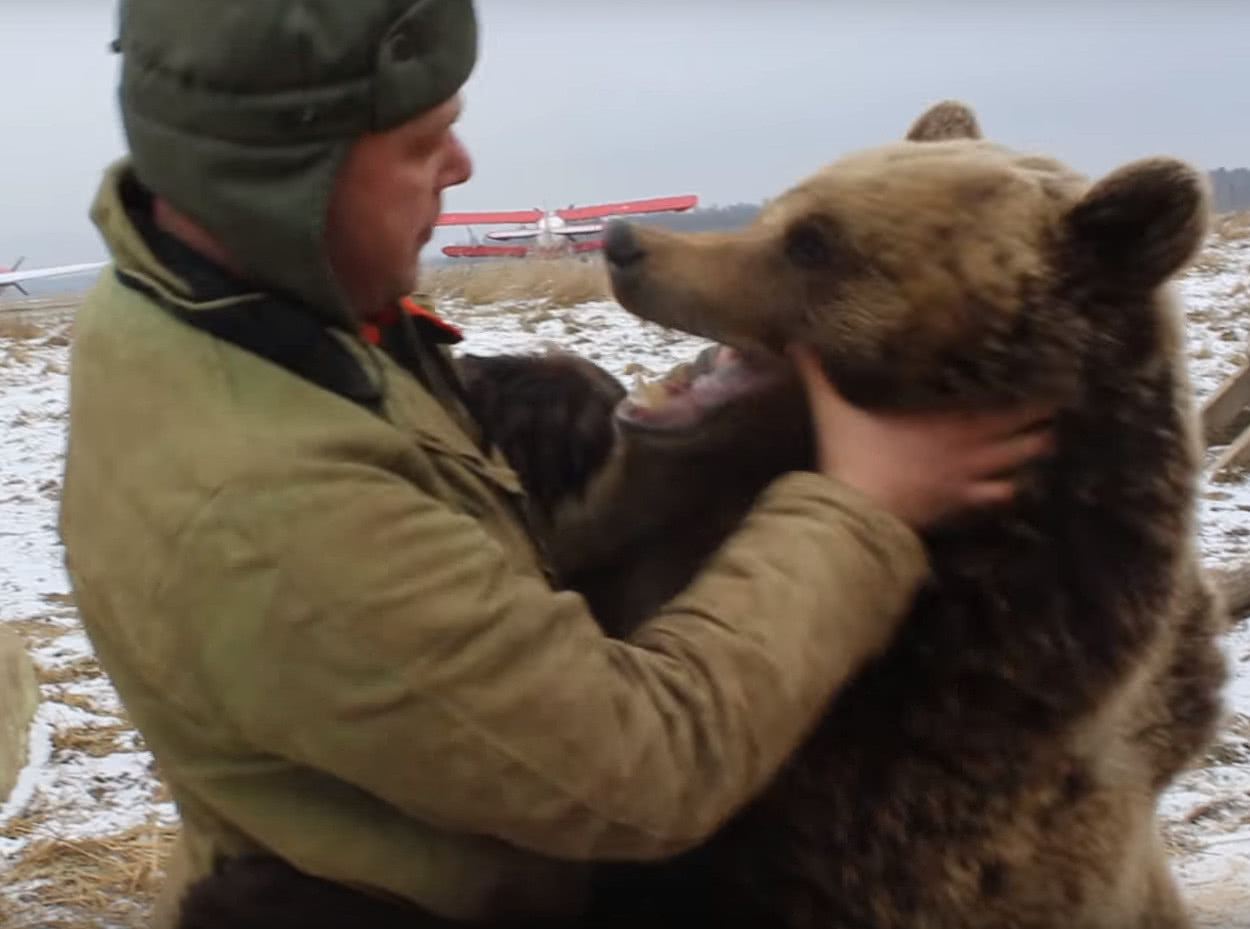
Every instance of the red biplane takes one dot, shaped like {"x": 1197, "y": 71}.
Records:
{"x": 553, "y": 231}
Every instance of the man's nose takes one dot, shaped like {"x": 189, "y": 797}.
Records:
{"x": 460, "y": 165}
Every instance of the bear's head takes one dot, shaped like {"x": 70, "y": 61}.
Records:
{"x": 943, "y": 269}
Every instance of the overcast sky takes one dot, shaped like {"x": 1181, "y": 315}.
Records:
{"x": 733, "y": 100}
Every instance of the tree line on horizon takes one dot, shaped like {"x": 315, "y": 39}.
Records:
{"x": 1230, "y": 189}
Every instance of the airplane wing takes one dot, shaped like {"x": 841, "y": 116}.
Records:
{"x": 530, "y": 233}
{"x": 483, "y": 251}
{"x": 654, "y": 205}
{"x": 34, "y": 274}
{"x": 487, "y": 217}
{"x": 578, "y": 230}
{"x": 512, "y": 234}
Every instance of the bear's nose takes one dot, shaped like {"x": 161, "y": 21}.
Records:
{"x": 620, "y": 245}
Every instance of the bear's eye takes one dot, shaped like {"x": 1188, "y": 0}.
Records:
{"x": 809, "y": 244}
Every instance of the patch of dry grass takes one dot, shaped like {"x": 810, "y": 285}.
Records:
{"x": 19, "y": 329}
{"x": 84, "y": 702}
{"x": 550, "y": 281}
{"x": 86, "y": 883}
{"x": 36, "y": 814}
{"x": 160, "y": 793}
{"x": 96, "y": 739}
{"x": 36, "y": 630}
{"x": 76, "y": 670}
{"x": 1210, "y": 262}
{"x": 89, "y": 882}
{"x": 1232, "y": 226}
{"x": 15, "y": 353}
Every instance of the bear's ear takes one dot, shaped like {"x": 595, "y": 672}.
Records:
{"x": 1143, "y": 222}
{"x": 949, "y": 119}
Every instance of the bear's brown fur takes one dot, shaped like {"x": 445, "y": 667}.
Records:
{"x": 553, "y": 420}
{"x": 999, "y": 766}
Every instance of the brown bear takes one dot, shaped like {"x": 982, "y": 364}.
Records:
{"x": 999, "y": 766}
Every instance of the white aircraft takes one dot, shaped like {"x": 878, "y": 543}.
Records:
{"x": 12, "y": 277}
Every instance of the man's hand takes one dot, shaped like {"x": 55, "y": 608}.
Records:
{"x": 921, "y": 467}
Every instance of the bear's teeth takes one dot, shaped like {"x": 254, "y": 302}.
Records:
{"x": 646, "y": 394}
{"x": 678, "y": 380}
{"x": 656, "y": 395}
{"x": 639, "y": 385}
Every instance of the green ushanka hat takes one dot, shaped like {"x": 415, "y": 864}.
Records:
{"x": 239, "y": 112}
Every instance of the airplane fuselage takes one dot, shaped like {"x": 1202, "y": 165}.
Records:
{"x": 551, "y": 233}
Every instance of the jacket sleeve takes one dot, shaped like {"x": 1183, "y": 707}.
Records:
{"x": 388, "y": 640}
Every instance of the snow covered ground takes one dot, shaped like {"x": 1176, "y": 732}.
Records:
{"x": 89, "y": 774}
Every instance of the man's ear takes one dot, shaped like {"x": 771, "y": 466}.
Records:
{"x": 1143, "y": 222}
{"x": 948, "y": 119}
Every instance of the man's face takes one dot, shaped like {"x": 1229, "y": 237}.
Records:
{"x": 386, "y": 198}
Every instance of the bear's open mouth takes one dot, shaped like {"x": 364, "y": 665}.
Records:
{"x": 689, "y": 393}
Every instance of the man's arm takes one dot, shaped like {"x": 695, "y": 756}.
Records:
{"x": 394, "y": 645}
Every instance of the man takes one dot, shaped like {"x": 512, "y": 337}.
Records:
{"x": 316, "y": 595}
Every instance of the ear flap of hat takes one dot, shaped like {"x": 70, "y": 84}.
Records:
{"x": 424, "y": 58}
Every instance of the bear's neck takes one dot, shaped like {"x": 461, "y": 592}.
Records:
{"x": 1067, "y": 587}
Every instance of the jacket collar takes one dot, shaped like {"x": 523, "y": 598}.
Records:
{"x": 121, "y": 213}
